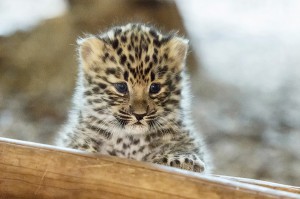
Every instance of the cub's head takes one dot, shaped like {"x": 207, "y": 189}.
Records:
{"x": 132, "y": 77}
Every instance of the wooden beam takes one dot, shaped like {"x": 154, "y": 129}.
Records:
{"x": 272, "y": 185}
{"x": 31, "y": 170}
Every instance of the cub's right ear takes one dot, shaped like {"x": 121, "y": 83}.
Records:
{"x": 90, "y": 49}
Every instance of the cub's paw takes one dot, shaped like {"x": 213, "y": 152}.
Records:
{"x": 189, "y": 162}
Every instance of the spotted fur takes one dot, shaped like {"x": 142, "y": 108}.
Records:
{"x": 136, "y": 124}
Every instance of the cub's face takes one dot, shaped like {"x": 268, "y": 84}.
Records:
{"x": 132, "y": 77}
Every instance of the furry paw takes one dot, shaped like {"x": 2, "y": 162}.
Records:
{"x": 189, "y": 162}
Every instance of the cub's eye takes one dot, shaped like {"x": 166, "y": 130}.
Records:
{"x": 121, "y": 87}
{"x": 154, "y": 88}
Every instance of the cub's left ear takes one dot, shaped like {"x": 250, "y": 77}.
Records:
{"x": 178, "y": 49}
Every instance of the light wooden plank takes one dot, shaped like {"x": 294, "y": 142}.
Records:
{"x": 30, "y": 170}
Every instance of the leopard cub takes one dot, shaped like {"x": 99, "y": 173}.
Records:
{"x": 131, "y": 99}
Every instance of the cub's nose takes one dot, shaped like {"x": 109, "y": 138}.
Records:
{"x": 139, "y": 116}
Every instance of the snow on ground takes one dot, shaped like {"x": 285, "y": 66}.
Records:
{"x": 24, "y": 15}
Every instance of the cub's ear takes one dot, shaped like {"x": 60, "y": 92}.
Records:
{"x": 90, "y": 49}
{"x": 178, "y": 50}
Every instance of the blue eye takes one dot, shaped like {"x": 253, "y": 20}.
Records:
{"x": 154, "y": 88}
{"x": 121, "y": 87}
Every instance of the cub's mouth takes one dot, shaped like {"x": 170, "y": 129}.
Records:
{"x": 138, "y": 123}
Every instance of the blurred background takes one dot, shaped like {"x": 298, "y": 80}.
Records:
{"x": 244, "y": 63}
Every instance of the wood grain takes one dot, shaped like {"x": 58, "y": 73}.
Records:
{"x": 30, "y": 170}
{"x": 272, "y": 185}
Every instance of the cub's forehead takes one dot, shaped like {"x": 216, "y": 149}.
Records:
{"x": 139, "y": 49}
{"x": 136, "y": 38}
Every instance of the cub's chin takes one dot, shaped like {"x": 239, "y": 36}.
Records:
{"x": 136, "y": 128}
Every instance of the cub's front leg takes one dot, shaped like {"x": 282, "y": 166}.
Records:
{"x": 185, "y": 161}
{"x": 186, "y": 155}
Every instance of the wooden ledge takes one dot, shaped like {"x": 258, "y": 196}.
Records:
{"x": 31, "y": 170}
